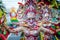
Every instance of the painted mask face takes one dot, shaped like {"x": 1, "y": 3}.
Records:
{"x": 20, "y": 14}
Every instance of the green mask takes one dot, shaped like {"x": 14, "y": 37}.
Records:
{"x": 1, "y": 13}
{"x": 58, "y": 32}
